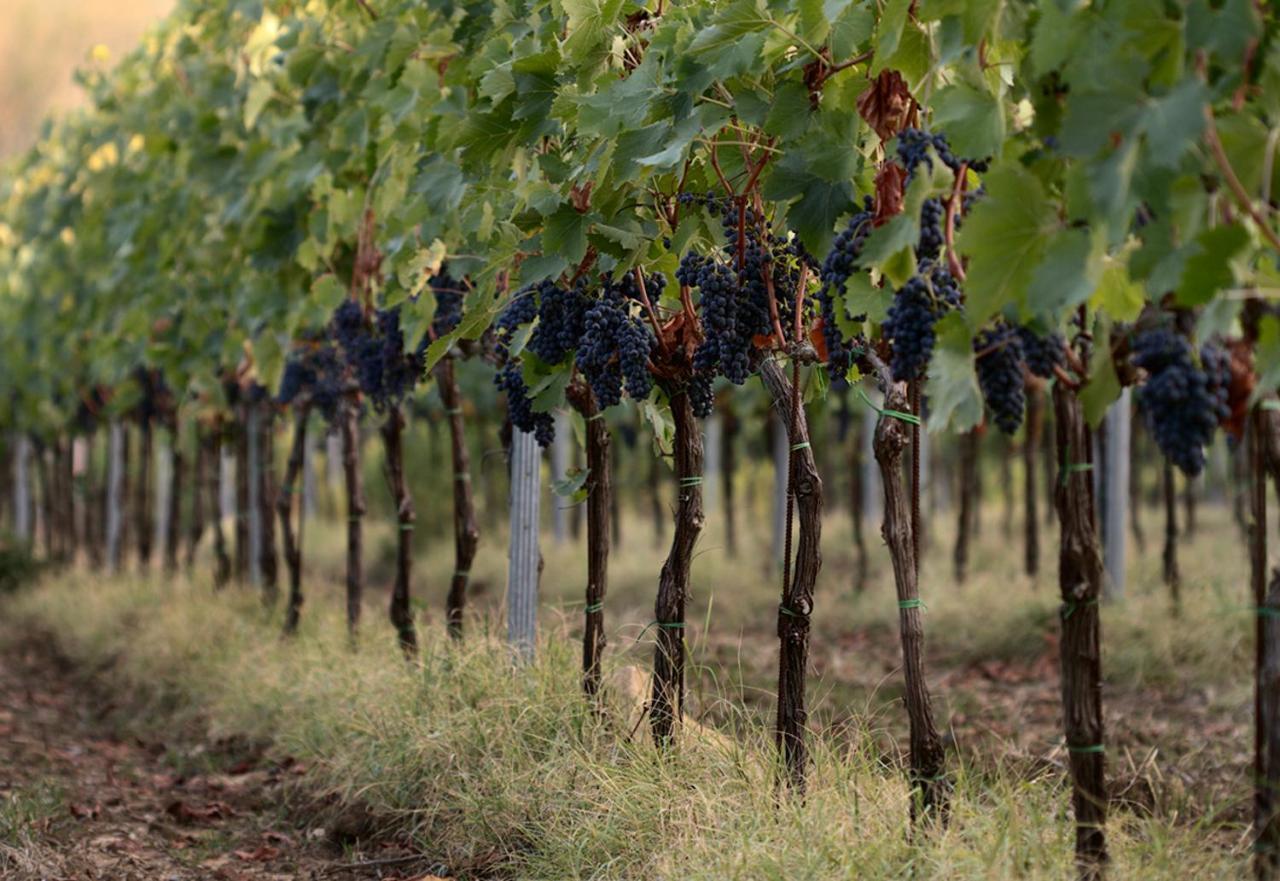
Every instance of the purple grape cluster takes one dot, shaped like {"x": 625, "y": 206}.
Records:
{"x": 1176, "y": 401}
{"x": 840, "y": 263}
{"x": 1216, "y": 362}
{"x": 999, "y": 364}
{"x": 374, "y": 349}
{"x": 448, "y": 292}
{"x": 909, "y": 326}
{"x": 702, "y": 397}
{"x": 520, "y": 406}
{"x": 1042, "y": 353}
{"x": 614, "y": 349}
{"x": 315, "y": 372}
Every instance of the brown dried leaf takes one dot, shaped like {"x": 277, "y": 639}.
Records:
{"x": 887, "y": 105}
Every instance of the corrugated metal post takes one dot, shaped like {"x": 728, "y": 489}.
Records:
{"x": 1116, "y": 495}
{"x": 524, "y": 561}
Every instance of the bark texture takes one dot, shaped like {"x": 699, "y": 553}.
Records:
{"x": 930, "y": 786}
{"x": 466, "y": 531}
{"x": 964, "y": 521}
{"x": 667, "y": 702}
{"x": 173, "y": 537}
{"x": 199, "y": 489}
{"x": 599, "y": 489}
{"x": 350, "y": 428}
{"x": 401, "y": 611}
{"x": 1266, "y": 805}
{"x": 145, "y": 524}
{"x": 268, "y": 556}
{"x": 241, "y": 440}
{"x": 284, "y": 507}
{"x": 1030, "y": 447}
{"x": 1172, "y": 577}
{"x": 1080, "y": 574}
{"x": 796, "y": 608}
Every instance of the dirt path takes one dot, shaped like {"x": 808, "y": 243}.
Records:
{"x": 81, "y": 800}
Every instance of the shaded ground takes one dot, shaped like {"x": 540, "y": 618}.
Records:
{"x": 80, "y": 799}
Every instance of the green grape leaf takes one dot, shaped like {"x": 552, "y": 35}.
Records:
{"x": 1103, "y": 387}
{"x": 955, "y": 400}
{"x": 1005, "y": 238}
{"x": 972, "y": 118}
{"x": 1207, "y": 269}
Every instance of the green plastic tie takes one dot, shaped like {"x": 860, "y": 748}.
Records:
{"x": 803, "y": 445}
{"x": 1072, "y": 467}
{"x": 1269, "y": 404}
{"x": 354, "y": 518}
{"x": 1093, "y": 748}
{"x": 691, "y": 481}
{"x": 594, "y": 607}
{"x": 406, "y": 527}
{"x": 464, "y": 476}
{"x": 1266, "y": 611}
{"x": 915, "y": 603}
{"x": 461, "y": 573}
{"x": 1069, "y": 608}
{"x": 790, "y": 613}
{"x": 909, "y": 418}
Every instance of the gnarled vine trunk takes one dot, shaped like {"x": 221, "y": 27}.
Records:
{"x": 667, "y": 702}
{"x": 199, "y": 490}
{"x": 1080, "y": 574}
{"x": 796, "y": 608}
{"x": 1266, "y": 800}
{"x": 145, "y": 523}
{"x": 964, "y": 515}
{"x": 243, "y": 555}
{"x": 1172, "y": 577}
{"x": 930, "y": 786}
{"x": 466, "y": 531}
{"x": 285, "y": 506}
{"x": 1030, "y": 447}
{"x": 350, "y": 429}
{"x": 173, "y": 537}
{"x": 268, "y": 558}
{"x": 599, "y": 489}
{"x": 400, "y": 612}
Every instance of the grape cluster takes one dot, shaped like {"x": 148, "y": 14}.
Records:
{"x": 1216, "y": 362}
{"x": 316, "y": 372}
{"x": 916, "y": 308}
{"x": 932, "y": 216}
{"x": 999, "y": 365}
{"x": 1176, "y": 400}
{"x": 448, "y": 294}
{"x": 1042, "y": 353}
{"x": 614, "y": 349}
{"x": 374, "y": 348}
{"x": 734, "y": 303}
{"x": 522, "y": 309}
{"x": 561, "y": 315}
{"x": 913, "y": 149}
{"x": 701, "y": 395}
{"x": 840, "y": 263}
{"x": 520, "y": 407}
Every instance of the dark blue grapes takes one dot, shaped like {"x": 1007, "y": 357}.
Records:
{"x": 614, "y": 349}
{"x": 520, "y": 406}
{"x": 1176, "y": 401}
{"x": 840, "y": 263}
{"x": 1216, "y": 362}
{"x": 1042, "y": 353}
{"x": 916, "y": 308}
{"x": 932, "y": 217}
{"x": 448, "y": 292}
{"x": 374, "y": 349}
{"x": 999, "y": 363}
{"x": 701, "y": 395}
{"x": 314, "y": 372}
{"x": 561, "y": 313}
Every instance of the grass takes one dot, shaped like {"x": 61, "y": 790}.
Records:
{"x": 500, "y": 770}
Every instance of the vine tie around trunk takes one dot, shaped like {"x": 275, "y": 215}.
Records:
{"x": 355, "y": 511}
{"x": 928, "y": 777}
{"x": 667, "y": 703}
{"x": 285, "y": 505}
{"x": 401, "y": 612}
{"x": 805, "y": 487}
{"x": 466, "y": 532}
{"x": 1080, "y": 575}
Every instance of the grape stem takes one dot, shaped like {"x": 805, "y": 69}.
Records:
{"x": 1233, "y": 182}
{"x": 953, "y": 208}
{"x": 648, "y": 307}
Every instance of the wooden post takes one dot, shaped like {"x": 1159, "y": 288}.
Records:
{"x": 1117, "y": 496}
{"x": 466, "y": 531}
